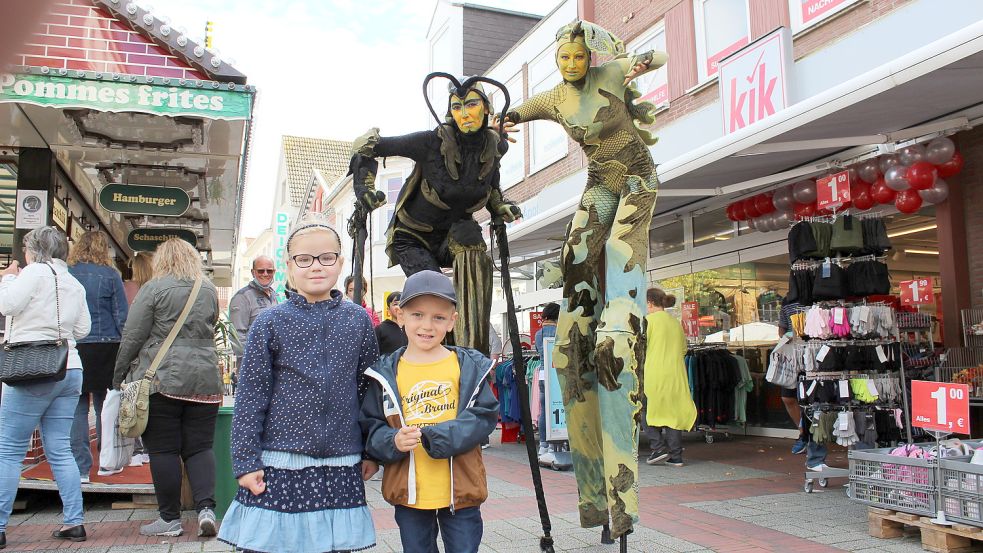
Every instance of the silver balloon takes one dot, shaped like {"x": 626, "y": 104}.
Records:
{"x": 912, "y": 155}
{"x": 854, "y": 175}
{"x": 869, "y": 171}
{"x": 763, "y": 223}
{"x": 751, "y": 223}
{"x": 804, "y": 192}
{"x": 885, "y": 162}
{"x": 781, "y": 220}
{"x": 940, "y": 150}
{"x": 783, "y": 199}
{"x": 937, "y": 193}
{"x": 896, "y": 179}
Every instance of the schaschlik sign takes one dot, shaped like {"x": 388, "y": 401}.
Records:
{"x": 147, "y": 239}
{"x": 46, "y": 90}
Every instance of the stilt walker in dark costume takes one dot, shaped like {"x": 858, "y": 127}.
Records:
{"x": 599, "y": 341}
{"x": 456, "y": 174}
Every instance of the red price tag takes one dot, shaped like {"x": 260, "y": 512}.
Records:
{"x": 833, "y": 190}
{"x": 691, "y": 318}
{"x": 918, "y": 291}
{"x": 940, "y": 406}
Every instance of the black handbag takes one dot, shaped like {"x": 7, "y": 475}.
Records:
{"x": 37, "y": 361}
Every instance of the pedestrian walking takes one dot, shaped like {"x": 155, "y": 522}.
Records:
{"x": 425, "y": 414}
{"x": 253, "y": 298}
{"x": 350, "y": 294}
{"x": 90, "y": 263}
{"x": 186, "y": 391}
{"x": 670, "y": 409}
{"x": 142, "y": 269}
{"x": 551, "y": 312}
{"x": 43, "y": 302}
{"x": 296, "y": 442}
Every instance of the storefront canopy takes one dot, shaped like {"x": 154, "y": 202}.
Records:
{"x": 936, "y": 87}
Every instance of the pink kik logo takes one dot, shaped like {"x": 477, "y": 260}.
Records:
{"x": 758, "y": 98}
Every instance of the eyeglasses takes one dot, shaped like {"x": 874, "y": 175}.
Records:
{"x": 265, "y": 271}
{"x": 305, "y": 260}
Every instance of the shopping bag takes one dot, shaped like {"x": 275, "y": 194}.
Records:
{"x": 116, "y": 448}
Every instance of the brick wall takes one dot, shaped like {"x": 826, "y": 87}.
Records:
{"x": 970, "y": 145}
{"x": 76, "y": 35}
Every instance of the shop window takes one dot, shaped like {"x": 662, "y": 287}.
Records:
{"x": 666, "y": 239}
{"x": 712, "y": 227}
{"x": 548, "y": 141}
{"x": 513, "y": 167}
{"x": 654, "y": 86}
{"x": 722, "y": 28}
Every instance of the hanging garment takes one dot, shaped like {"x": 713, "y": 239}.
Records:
{"x": 716, "y": 374}
{"x": 875, "y": 236}
{"x": 847, "y": 236}
{"x": 508, "y": 392}
{"x": 665, "y": 379}
{"x": 741, "y": 391}
{"x": 745, "y": 307}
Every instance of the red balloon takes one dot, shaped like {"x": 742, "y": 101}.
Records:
{"x": 861, "y": 194}
{"x": 804, "y": 210}
{"x": 882, "y": 193}
{"x": 738, "y": 209}
{"x": 921, "y": 175}
{"x": 908, "y": 201}
{"x": 751, "y": 209}
{"x": 730, "y": 212}
{"x": 764, "y": 204}
{"x": 951, "y": 167}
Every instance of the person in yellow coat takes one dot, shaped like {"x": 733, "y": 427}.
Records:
{"x": 670, "y": 410}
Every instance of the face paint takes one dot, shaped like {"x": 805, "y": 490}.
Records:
{"x": 572, "y": 59}
{"x": 469, "y": 114}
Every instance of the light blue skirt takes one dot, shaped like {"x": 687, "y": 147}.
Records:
{"x": 330, "y": 530}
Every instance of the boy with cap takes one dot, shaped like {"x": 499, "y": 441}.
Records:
{"x": 427, "y": 409}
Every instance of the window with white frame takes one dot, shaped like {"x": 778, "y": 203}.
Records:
{"x": 806, "y": 13}
{"x": 653, "y": 85}
{"x": 722, "y": 28}
{"x": 390, "y": 184}
{"x": 547, "y": 140}
{"x": 513, "y": 163}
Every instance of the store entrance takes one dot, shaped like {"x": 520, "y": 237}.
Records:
{"x": 737, "y": 302}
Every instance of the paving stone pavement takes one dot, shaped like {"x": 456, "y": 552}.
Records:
{"x": 737, "y": 495}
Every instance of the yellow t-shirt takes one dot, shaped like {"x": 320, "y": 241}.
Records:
{"x": 430, "y": 394}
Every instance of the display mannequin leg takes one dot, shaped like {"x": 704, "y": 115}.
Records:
{"x": 620, "y": 352}
{"x": 574, "y": 350}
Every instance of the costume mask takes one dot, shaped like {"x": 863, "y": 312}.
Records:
{"x": 573, "y": 59}
{"x": 469, "y": 113}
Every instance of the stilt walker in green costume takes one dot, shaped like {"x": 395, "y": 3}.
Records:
{"x": 599, "y": 341}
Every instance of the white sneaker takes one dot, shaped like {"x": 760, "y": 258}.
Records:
{"x": 145, "y": 458}
{"x": 84, "y": 479}
{"x": 818, "y": 468}
{"x": 136, "y": 461}
{"x": 108, "y": 472}
{"x": 547, "y": 459}
{"x": 543, "y": 450}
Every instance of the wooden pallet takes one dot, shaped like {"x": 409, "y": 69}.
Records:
{"x": 958, "y": 538}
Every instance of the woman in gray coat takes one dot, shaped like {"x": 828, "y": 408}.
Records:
{"x": 187, "y": 389}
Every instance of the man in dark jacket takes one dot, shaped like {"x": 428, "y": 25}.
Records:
{"x": 389, "y": 334}
{"x": 254, "y": 297}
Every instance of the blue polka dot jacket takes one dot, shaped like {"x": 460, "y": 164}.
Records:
{"x": 302, "y": 381}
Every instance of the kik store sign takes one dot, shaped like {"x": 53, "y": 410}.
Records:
{"x": 754, "y": 80}
{"x": 65, "y": 92}
{"x": 135, "y": 199}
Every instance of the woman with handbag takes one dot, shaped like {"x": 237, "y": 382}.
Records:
{"x": 41, "y": 372}
{"x": 170, "y": 332}
{"x": 89, "y": 262}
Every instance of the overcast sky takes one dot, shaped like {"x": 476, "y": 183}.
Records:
{"x": 327, "y": 69}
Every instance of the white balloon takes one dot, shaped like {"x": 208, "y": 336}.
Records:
{"x": 896, "y": 179}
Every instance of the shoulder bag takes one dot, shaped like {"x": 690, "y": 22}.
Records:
{"x": 37, "y": 361}
{"x": 134, "y": 407}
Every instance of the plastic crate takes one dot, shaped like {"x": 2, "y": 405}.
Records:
{"x": 891, "y": 482}
{"x": 962, "y": 490}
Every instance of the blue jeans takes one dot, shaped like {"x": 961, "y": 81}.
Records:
{"x": 50, "y": 405}
{"x": 81, "y": 447}
{"x": 815, "y": 454}
{"x": 542, "y": 413}
{"x": 460, "y": 530}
